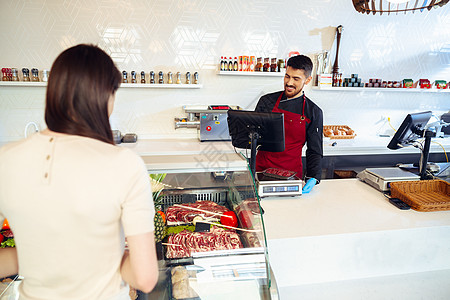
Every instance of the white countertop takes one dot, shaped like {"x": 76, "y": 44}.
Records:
{"x": 344, "y": 240}
{"x": 357, "y": 146}
{"x": 339, "y": 207}
{"x": 372, "y": 145}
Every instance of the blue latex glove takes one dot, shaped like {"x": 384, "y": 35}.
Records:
{"x": 309, "y": 185}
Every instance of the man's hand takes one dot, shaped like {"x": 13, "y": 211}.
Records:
{"x": 309, "y": 185}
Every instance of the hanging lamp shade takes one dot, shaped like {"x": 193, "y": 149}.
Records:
{"x": 396, "y": 6}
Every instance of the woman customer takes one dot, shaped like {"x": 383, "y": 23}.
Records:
{"x": 71, "y": 196}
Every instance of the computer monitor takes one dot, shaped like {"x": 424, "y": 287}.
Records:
{"x": 250, "y": 129}
{"x": 410, "y": 130}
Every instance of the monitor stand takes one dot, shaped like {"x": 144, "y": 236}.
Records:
{"x": 425, "y": 154}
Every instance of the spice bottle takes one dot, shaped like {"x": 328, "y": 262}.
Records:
{"x": 178, "y": 77}
{"x": 266, "y": 65}
{"x": 225, "y": 64}
{"x": 273, "y": 65}
{"x": 152, "y": 77}
{"x": 235, "y": 64}
{"x": 230, "y": 64}
{"x": 15, "y": 74}
{"x": 124, "y": 77}
{"x": 252, "y": 64}
{"x": 161, "y": 77}
{"x": 196, "y": 78}
{"x": 26, "y": 74}
{"x": 280, "y": 65}
{"x": 259, "y": 66}
{"x": 169, "y": 78}
{"x": 35, "y": 74}
{"x": 45, "y": 75}
{"x": 4, "y": 75}
{"x": 133, "y": 77}
{"x": 142, "y": 77}
{"x": 222, "y": 64}
{"x": 188, "y": 78}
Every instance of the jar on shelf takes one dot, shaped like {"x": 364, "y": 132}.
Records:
{"x": 15, "y": 74}
{"x": 35, "y": 75}
{"x": 26, "y": 74}
{"x": 266, "y": 65}
{"x": 273, "y": 65}
{"x": 259, "y": 65}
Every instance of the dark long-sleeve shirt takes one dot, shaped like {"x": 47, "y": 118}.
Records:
{"x": 314, "y": 129}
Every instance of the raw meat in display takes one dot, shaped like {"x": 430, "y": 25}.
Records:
{"x": 186, "y": 242}
{"x": 179, "y": 215}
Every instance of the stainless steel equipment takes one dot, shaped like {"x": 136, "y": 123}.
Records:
{"x": 210, "y": 121}
{"x": 380, "y": 178}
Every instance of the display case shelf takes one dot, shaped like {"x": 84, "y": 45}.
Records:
{"x": 242, "y": 73}
{"x": 123, "y": 85}
{"x": 364, "y": 89}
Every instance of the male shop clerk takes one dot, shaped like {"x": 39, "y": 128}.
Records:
{"x": 303, "y": 124}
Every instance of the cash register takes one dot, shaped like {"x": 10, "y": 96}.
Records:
{"x": 412, "y": 128}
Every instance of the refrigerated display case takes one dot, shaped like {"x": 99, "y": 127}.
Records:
{"x": 220, "y": 263}
{"x": 215, "y": 262}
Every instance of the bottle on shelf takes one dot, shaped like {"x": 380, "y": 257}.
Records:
{"x": 152, "y": 77}
{"x": 266, "y": 65}
{"x": 259, "y": 65}
{"x": 273, "y": 65}
{"x": 142, "y": 77}
{"x": 178, "y": 77}
{"x": 230, "y": 64}
{"x": 133, "y": 77}
{"x": 161, "y": 77}
{"x": 280, "y": 65}
{"x": 124, "y": 77}
{"x": 222, "y": 64}
{"x": 35, "y": 75}
{"x": 45, "y": 74}
{"x": 188, "y": 78}
{"x": 225, "y": 64}
{"x": 169, "y": 78}
{"x": 251, "y": 64}
{"x": 26, "y": 74}
{"x": 196, "y": 78}
{"x": 15, "y": 74}
{"x": 235, "y": 64}
{"x": 245, "y": 63}
{"x": 4, "y": 75}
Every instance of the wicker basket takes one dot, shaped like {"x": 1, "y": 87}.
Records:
{"x": 341, "y": 128}
{"x": 423, "y": 195}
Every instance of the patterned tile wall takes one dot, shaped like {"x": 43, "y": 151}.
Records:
{"x": 191, "y": 35}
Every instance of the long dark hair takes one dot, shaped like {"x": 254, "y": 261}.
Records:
{"x": 81, "y": 81}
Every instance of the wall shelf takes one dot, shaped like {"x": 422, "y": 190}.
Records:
{"x": 364, "y": 89}
{"x": 22, "y": 83}
{"x": 161, "y": 86}
{"x": 123, "y": 85}
{"x": 242, "y": 73}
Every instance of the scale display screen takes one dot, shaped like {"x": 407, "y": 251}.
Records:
{"x": 278, "y": 189}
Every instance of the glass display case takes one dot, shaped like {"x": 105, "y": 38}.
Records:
{"x": 214, "y": 245}
{"x": 9, "y": 287}
{"x": 211, "y": 240}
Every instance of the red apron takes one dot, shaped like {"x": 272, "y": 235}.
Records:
{"x": 295, "y": 138}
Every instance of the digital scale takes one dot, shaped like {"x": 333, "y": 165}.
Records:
{"x": 271, "y": 187}
{"x": 380, "y": 178}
